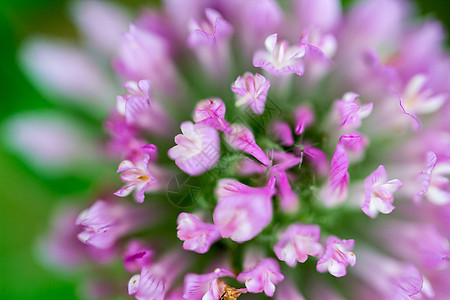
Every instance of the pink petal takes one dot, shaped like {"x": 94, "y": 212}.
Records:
{"x": 243, "y": 139}
{"x": 242, "y": 212}
{"x": 211, "y": 112}
{"x": 303, "y": 118}
{"x": 282, "y": 133}
{"x": 197, "y": 149}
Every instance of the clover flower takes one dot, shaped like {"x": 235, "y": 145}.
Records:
{"x": 282, "y": 162}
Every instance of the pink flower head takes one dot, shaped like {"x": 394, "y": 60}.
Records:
{"x": 210, "y": 32}
{"x": 211, "y": 112}
{"x": 350, "y": 112}
{"x": 336, "y": 190}
{"x": 280, "y": 58}
{"x": 282, "y": 133}
{"x": 197, "y": 235}
{"x": 137, "y": 176}
{"x": 136, "y": 256}
{"x": 144, "y": 55}
{"x": 104, "y": 223}
{"x": 204, "y": 286}
{"x": 379, "y": 192}
{"x": 242, "y": 212}
{"x": 243, "y": 139}
{"x": 416, "y": 99}
{"x": 156, "y": 279}
{"x": 297, "y": 242}
{"x": 303, "y": 118}
{"x": 288, "y": 198}
{"x": 263, "y": 277}
{"x": 197, "y": 149}
{"x": 336, "y": 257}
{"x": 251, "y": 90}
{"x": 433, "y": 181}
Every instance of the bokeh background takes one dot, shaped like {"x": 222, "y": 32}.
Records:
{"x": 26, "y": 196}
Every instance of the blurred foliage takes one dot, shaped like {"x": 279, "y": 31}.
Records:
{"x": 26, "y": 199}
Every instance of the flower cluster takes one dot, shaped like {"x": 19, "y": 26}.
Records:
{"x": 273, "y": 136}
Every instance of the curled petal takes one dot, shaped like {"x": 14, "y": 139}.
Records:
{"x": 197, "y": 149}
{"x": 424, "y": 177}
{"x": 335, "y": 192}
{"x": 288, "y": 198}
{"x": 280, "y": 58}
{"x": 212, "y": 113}
{"x": 243, "y": 211}
{"x": 209, "y": 33}
{"x": 297, "y": 242}
{"x": 243, "y": 139}
{"x": 204, "y": 286}
{"x": 282, "y": 133}
{"x": 337, "y": 256}
{"x": 197, "y": 235}
{"x": 379, "y": 192}
{"x": 303, "y": 118}
{"x": 263, "y": 277}
{"x": 251, "y": 90}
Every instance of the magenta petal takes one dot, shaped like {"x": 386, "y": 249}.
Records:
{"x": 136, "y": 256}
{"x": 318, "y": 159}
{"x": 303, "y": 118}
{"x": 335, "y": 192}
{"x": 248, "y": 166}
{"x": 282, "y": 133}
{"x": 243, "y": 139}
{"x": 288, "y": 198}
{"x": 285, "y": 160}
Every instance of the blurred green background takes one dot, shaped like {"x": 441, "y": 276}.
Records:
{"x": 26, "y": 199}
